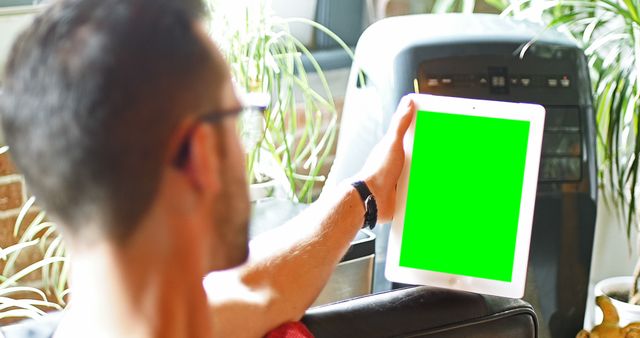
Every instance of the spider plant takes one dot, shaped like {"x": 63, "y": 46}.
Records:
{"x": 295, "y": 139}
{"x": 22, "y": 295}
{"x": 609, "y": 33}
{"x": 43, "y": 236}
{"x": 22, "y": 300}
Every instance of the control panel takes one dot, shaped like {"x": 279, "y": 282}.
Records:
{"x": 497, "y": 81}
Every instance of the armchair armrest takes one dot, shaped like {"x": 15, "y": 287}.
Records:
{"x": 411, "y": 312}
{"x": 424, "y": 312}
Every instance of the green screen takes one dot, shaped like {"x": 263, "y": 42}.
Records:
{"x": 465, "y": 188}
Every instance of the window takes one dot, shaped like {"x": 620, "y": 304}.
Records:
{"x": 9, "y": 3}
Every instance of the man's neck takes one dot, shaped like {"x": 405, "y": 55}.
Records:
{"x": 135, "y": 291}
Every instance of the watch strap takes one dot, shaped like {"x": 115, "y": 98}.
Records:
{"x": 370, "y": 205}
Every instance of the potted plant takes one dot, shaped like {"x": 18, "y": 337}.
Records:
{"x": 298, "y": 129}
{"x": 609, "y": 32}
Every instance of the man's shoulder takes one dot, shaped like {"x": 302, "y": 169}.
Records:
{"x": 33, "y": 328}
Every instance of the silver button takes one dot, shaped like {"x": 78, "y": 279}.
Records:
{"x": 498, "y": 81}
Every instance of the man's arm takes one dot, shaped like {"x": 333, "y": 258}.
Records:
{"x": 289, "y": 266}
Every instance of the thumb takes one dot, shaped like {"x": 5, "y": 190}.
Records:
{"x": 406, "y": 111}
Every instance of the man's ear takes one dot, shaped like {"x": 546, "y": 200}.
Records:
{"x": 202, "y": 163}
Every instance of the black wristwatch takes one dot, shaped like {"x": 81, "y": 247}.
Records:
{"x": 370, "y": 206}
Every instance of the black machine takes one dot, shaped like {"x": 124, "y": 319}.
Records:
{"x": 488, "y": 57}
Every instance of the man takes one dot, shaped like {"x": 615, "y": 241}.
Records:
{"x": 121, "y": 114}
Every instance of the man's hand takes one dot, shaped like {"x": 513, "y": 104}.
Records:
{"x": 384, "y": 165}
{"x": 290, "y": 265}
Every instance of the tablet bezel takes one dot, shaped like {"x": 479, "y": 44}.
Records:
{"x": 533, "y": 113}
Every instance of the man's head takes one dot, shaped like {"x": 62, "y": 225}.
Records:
{"x": 99, "y": 97}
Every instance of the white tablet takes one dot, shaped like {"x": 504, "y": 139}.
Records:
{"x": 466, "y": 195}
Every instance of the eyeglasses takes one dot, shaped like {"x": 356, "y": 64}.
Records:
{"x": 253, "y": 102}
{"x": 212, "y": 118}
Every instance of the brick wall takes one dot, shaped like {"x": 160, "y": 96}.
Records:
{"x": 12, "y": 198}
{"x": 12, "y": 192}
